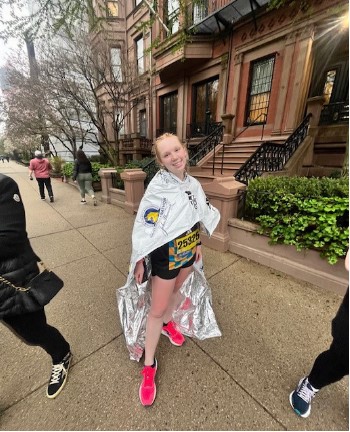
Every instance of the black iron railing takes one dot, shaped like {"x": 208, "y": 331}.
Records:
{"x": 334, "y": 113}
{"x": 150, "y": 169}
{"x": 253, "y": 123}
{"x": 271, "y": 156}
{"x": 198, "y": 152}
{"x": 201, "y": 129}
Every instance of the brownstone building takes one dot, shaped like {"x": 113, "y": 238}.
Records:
{"x": 255, "y": 71}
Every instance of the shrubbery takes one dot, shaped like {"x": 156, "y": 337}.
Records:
{"x": 310, "y": 213}
{"x": 68, "y": 169}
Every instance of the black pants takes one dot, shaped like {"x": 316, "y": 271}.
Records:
{"x": 34, "y": 330}
{"x": 47, "y": 183}
{"x": 332, "y": 365}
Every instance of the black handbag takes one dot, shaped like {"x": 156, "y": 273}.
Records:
{"x": 39, "y": 291}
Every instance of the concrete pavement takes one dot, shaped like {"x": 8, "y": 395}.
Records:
{"x": 273, "y": 327}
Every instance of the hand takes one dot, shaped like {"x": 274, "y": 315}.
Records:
{"x": 74, "y": 181}
{"x": 199, "y": 254}
{"x": 138, "y": 272}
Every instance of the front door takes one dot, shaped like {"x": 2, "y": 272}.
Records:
{"x": 168, "y": 113}
{"x": 205, "y": 96}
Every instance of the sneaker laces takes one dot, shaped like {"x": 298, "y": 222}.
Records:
{"x": 148, "y": 372}
{"x": 305, "y": 392}
{"x": 56, "y": 372}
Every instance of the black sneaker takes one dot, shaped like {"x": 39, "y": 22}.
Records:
{"x": 52, "y": 199}
{"x": 59, "y": 374}
{"x": 300, "y": 398}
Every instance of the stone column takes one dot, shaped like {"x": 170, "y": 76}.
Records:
{"x": 223, "y": 193}
{"x": 284, "y": 83}
{"x": 106, "y": 183}
{"x": 227, "y": 120}
{"x": 302, "y": 72}
{"x": 238, "y": 61}
{"x": 134, "y": 188}
{"x": 314, "y": 106}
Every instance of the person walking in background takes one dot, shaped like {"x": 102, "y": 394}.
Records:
{"x": 330, "y": 366}
{"x": 166, "y": 230}
{"x": 41, "y": 167}
{"x": 83, "y": 174}
{"x": 18, "y": 265}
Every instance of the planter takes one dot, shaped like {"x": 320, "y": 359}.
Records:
{"x": 96, "y": 185}
{"x": 305, "y": 265}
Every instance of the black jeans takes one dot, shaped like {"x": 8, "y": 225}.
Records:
{"x": 332, "y": 365}
{"x": 34, "y": 330}
{"x": 47, "y": 183}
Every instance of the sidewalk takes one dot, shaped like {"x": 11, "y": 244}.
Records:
{"x": 273, "y": 327}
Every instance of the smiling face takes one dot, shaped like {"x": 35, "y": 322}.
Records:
{"x": 172, "y": 154}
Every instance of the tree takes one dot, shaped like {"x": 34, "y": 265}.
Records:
{"x": 78, "y": 92}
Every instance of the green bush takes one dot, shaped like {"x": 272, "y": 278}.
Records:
{"x": 309, "y": 213}
{"x": 57, "y": 164}
{"x": 68, "y": 169}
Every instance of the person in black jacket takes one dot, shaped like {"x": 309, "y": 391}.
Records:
{"x": 83, "y": 173}
{"x": 18, "y": 265}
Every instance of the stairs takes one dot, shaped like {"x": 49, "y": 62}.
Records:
{"x": 235, "y": 155}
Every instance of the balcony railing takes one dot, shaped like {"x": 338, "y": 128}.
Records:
{"x": 334, "y": 113}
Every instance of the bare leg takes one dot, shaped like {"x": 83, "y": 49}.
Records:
{"x": 162, "y": 290}
{"x": 180, "y": 279}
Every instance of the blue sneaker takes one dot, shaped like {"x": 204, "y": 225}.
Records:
{"x": 300, "y": 398}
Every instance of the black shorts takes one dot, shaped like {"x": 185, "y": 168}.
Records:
{"x": 161, "y": 267}
{"x": 167, "y": 260}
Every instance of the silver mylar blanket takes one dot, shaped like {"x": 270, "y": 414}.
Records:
{"x": 194, "y": 314}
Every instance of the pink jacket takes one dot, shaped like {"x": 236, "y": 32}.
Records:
{"x": 41, "y": 167}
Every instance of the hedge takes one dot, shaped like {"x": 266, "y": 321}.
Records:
{"x": 310, "y": 213}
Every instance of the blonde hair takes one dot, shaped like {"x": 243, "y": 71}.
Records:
{"x": 160, "y": 139}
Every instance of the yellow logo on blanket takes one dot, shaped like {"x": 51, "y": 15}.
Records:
{"x": 151, "y": 216}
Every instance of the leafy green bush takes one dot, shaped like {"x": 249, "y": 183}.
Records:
{"x": 309, "y": 213}
{"x": 68, "y": 169}
{"x": 57, "y": 164}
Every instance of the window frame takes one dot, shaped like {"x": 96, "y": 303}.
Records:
{"x": 140, "y": 71}
{"x": 247, "y": 120}
{"x": 109, "y": 15}
{"x": 167, "y": 16}
{"x": 113, "y": 66}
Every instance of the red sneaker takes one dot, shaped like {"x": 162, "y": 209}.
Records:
{"x": 170, "y": 331}
{"x": 147, "y": 390}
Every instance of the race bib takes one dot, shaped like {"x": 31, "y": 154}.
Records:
{"x": 188, "y": 242}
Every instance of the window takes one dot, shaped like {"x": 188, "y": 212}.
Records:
{"x": 200, "y": 11}
{"x": 116, "y": 64}
{"x": 139, "y": 56}
{"x": 111, "y": 9}
{"x": 143, "y": 123}
{"x": 172, "y": 14}
{"x": 168, "y": 107}
{"x": 260, "y": 90}
{"x": 328, "y": 85}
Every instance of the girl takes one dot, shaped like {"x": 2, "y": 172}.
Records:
{"x": 83, "y": 173}
{"x": 167, "y": 231}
